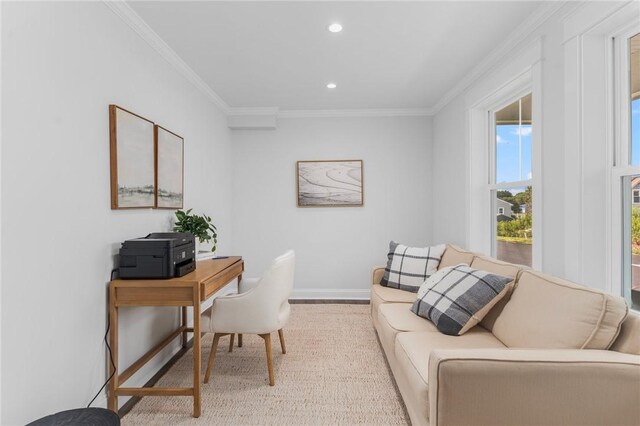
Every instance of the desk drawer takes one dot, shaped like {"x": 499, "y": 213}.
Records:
{"x": 154, "y": 296}
{"x": 214, "y": 284}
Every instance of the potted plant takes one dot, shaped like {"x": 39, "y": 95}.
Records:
{"x": 200, "y": 226}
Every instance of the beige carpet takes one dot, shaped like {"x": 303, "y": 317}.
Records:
{"x": 334, "y": 373}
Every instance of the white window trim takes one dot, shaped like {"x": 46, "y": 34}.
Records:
{"x": 620, "y": 261}
{"x": 589, "y": 121}
{"x": 523, "y": 75}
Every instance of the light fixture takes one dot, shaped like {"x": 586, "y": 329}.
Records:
{"x": 331, "y": 86}
{"x": 335, "y": 28}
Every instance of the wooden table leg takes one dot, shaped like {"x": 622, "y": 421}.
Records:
{"x": 184, "y": 324}
{"x": 239, "y": 335}
{"x": 196, "y": 351}
{"x": 113, "y": 342}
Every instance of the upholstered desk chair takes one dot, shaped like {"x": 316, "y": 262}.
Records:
{"x": 261, "y": 307}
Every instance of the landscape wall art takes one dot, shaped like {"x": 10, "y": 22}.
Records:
{"x": 169, "y": 166}
{"x": 132, "y": 160}
{"x": 330, "y": 183}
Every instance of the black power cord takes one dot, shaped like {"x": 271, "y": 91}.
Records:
{"x": 106, "y": 342}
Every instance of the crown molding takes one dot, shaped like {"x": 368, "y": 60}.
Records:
{"x": 252, "y": 111}
{"x": 367, "y": 112}
{"x": 524, "y": 30}
{"x": 137, "y": 24}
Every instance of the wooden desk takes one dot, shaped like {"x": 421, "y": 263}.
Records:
{"x": 190, "y": 290}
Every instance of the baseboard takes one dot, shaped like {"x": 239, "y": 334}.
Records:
{"x": 331, "y": 294}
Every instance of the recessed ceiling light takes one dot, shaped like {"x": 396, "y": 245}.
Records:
{"x": 335, "y": 28}
{"x": 331, "y": 86}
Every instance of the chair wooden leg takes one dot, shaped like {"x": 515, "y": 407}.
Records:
{"x": 267, "y": 345}
{"x": 212, "y": 355}
{"x": 231, "y": 342}
{"x": 281, "y": 336}
{"x": 239, "y": 340}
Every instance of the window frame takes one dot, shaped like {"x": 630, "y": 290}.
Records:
{"x": 622, "y": 171}
{"x": 520, "y": 75}
{"x": 493, "y": 186}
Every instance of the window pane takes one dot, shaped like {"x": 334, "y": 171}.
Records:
{"x": 632, "y": 241}
{"x": 634, "y": 84}
{"x": 513, "y": 141}
{"x": 514, "y": 237}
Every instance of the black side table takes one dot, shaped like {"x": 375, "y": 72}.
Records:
{"x": 80, "y": 417}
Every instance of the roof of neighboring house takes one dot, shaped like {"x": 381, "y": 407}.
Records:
{"x": 504, "y": 203}
{"x": 635, "y": 182}
{"x": 504, "y": 218}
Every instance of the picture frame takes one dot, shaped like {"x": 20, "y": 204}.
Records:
{"x": 330, "y": 183}
{"x": 169, "y": 158}
{"x": 132, "y": 160}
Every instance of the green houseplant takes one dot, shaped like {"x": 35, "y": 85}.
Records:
{"x": 200, "y": 226}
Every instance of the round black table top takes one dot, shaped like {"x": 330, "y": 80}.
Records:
{"x": 80, "y": 417}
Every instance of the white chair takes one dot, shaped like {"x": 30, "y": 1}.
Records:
{"x": 260, "y": 307}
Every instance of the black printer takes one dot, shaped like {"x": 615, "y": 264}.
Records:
{"x": 158, "y": 255}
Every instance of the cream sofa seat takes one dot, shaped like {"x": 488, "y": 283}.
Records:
{"x": 539, "y": 357}
{"x": 395, "y": 318}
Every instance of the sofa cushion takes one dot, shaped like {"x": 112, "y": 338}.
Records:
{"x": 395, "y": 318}
{"x": 499, "y": 267}
{"x": 458, "y": 297}
{"x": 400, "y": 317}
{"x": 412, "y": 350}
{"x": 548, "y": 312}
{"x": 381, "y": 295}
{"x": 391, "y": 295}
{"x": 628, "y": 341}
{"x": 454, "y": 255}
{"x": 408, "y": 267}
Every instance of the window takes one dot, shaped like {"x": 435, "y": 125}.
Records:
{"x": 627, "y": 166}
{"x": 511, "y": 182}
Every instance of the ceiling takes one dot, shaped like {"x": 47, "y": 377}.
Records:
{"x": 280, "y": 54}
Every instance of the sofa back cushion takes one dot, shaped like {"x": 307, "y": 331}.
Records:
{"x": 499, "y": 268}
{"x": 548, "y": 312}
{"x": 454, "y": 255}
{"x": 628, "y": 341}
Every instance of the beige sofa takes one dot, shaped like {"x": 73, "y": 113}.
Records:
{"x": 550, "y": 353}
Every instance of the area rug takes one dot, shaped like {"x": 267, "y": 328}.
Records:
{"x": 334, "y": 373}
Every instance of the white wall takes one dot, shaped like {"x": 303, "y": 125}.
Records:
{"x": 335, "y": 247}
{"x": 62, "y": 65}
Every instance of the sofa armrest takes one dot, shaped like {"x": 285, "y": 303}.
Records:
{"x": 378, "y": 272}
{"x": 539, "y": 386}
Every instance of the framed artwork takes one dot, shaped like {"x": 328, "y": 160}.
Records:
{"x": 132, "y": 160}
{"x": 330, "y": 183}
{"x": 169, "y": 169}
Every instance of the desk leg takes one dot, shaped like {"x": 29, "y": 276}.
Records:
{"x": 196, "y": 351}
{"x": 113, "y": 342}
{"x": 239, "y": 335}
{"x": 184, "y": 324}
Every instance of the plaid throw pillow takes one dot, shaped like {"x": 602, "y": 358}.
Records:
{"x": 408, "y": 267}
{"x": 457, "y": 297}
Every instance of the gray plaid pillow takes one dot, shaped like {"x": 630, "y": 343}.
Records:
{"x": 457, "y": 297}
{"x": 408, "y": 267}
